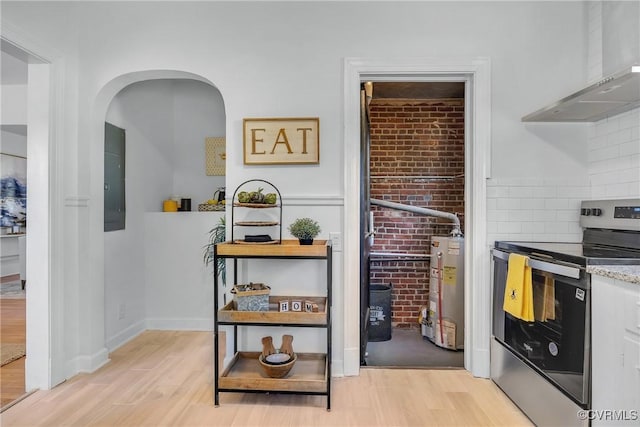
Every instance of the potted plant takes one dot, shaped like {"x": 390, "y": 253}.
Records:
{"x": 218, "y": 234}
{"x": 305, "y": 229}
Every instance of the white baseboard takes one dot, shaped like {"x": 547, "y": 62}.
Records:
{"x": 351, "y": 363}
{"x": 87, "y": 364}
{"x": 125, "y": 336}
{"x": 337, "y": 368}
{"x": 481, "y": 363}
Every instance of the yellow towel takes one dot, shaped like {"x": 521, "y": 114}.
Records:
{"x": 518, "y": 292}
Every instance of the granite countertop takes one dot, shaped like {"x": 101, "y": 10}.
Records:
{"x": 626, "y": 273}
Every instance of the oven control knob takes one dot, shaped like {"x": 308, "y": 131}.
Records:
{"x": 596, "y": 211}
{"x": 585, "y": 211}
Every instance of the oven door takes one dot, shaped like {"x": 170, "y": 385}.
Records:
{"x": 556, "y": 344}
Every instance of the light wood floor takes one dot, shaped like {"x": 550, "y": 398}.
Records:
{"x": 12, "y": 330}
{"x": 165, "y": 379}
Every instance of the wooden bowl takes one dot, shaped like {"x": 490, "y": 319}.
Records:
{"x": 279, "y": 370}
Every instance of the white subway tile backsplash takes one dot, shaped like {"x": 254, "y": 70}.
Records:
{"x": 629, "y": 175}
{"x": 496, "y": 192}
{"x": 632, "y": 190}
{"x": 529, "y": 204}
{"x": 547, "y": 210}
{"x": 497, "y": 215}
{"x": 616, "y": 191}
{"x": 555, "y": 204}
{"x": 605, "y": 178}
{"x": 533, "y": 227}
{"x": 618, "y": 137}
{"x": 520, "y": 215}
{"x": 600, "y": 166}
{"x": 614, "y": 170}
{"x": 492, "y": 204}
{"x": 629, "y": 119}
{"x": 535, "y": 209}
{"x": 542, "y": 192}
{"x": 521, "y": 192}
{"x": 571, "y": 215}
{"x": 564, "y": 182}
{"x": 603, "y": 128}
{"x": 543, "y": 215}
{"x": 507, "y": 204}
{"x": 510, "y": 227}
{"x": 629, "y": 148}
{"x": 556, "y": 227}
{"x": 598, "y": 191}
{"x": 609, "y": 152}
{"x": 574, "y": 192}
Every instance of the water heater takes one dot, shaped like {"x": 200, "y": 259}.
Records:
{"x": 444, "y": 324}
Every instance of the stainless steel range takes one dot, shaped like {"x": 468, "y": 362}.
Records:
{"x": 544, "y": 366}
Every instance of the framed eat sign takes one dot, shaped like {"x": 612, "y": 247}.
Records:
{"x": 279, "y": 141}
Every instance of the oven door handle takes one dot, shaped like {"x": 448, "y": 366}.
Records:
{"x": 549, "y": 267}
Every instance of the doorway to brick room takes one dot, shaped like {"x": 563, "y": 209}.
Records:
{"x": 415, "y": 144}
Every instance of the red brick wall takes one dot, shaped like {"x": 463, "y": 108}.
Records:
{"x": 412, "y": 143}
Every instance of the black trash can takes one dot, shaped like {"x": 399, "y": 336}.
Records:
{"x": 380, "y": 312}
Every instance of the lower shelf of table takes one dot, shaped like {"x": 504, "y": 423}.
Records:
{"x": 308, "y": 375}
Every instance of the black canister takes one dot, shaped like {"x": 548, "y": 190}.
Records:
{"x": 379, "y": 313}
{"x": 221, "y": 194}
{"x": 185, "y": 205}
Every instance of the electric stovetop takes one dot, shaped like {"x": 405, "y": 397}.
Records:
{"x": 575, "y": 253}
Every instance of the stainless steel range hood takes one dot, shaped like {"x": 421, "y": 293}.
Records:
{"x": 610, "y": 96}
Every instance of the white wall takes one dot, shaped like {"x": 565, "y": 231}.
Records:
{"x": 537, "y": 51}
{"x": 145, "y": 111}
{"x": 179, "y": 288}
{"x": 198, "y": 111}
{"x": 14, "y": 143}
{"x": 14, "y": 105}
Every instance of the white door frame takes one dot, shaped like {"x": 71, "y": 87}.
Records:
{"x": 44, "y": 366}
{"x": 476, "y": 73}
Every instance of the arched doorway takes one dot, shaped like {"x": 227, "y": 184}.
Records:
{"x": 153, "y": 263}
{"x": 93, "y": 328}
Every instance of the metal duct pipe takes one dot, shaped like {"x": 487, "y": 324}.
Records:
{"x": 422, "y": 211}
